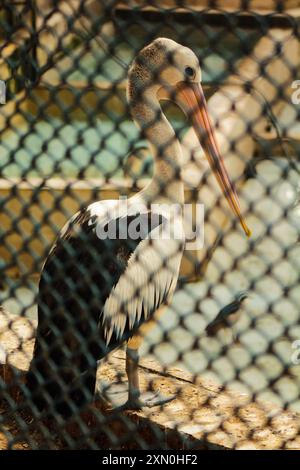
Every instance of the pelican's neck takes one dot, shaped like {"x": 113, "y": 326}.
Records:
{"x": 166, "y": 184}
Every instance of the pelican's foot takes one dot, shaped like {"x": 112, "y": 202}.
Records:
{"x": 111, "y": 394}
{"x": 145, "y": 400}
{"x": 117, "y": 398}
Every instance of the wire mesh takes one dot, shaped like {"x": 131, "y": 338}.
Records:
{"x": 111, "y": 338}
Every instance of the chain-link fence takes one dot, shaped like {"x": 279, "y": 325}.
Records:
{"x": 135, "y": 312}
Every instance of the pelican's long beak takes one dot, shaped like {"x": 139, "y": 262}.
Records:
{"x": 191, "y": 98}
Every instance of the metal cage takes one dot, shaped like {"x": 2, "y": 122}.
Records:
{"x": 222, "y": 359}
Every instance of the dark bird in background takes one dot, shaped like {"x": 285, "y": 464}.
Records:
{"x": 227, "y": 315}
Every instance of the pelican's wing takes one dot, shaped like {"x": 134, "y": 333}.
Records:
{"x": 149, "y": 281}
{"x": 85, "y": 273}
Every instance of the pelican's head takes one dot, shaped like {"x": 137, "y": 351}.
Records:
{"x": 159, "y": 67}
{"x": 167, "y": 70}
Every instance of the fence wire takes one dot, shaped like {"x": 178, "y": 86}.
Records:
{"x": 135, "y": 312}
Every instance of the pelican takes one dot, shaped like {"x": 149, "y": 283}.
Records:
{"x": 116, "y": 262}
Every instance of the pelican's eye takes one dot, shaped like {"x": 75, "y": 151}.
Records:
{"x": 189, "y": 72}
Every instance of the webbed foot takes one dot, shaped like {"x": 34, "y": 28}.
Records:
{"x": 145, "y": 400}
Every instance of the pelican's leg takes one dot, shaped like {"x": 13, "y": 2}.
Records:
{"x": 131, "y": 397}
{"x": 132, "y": 366}
{"x": 122, "y": 395}
{"x": 136, "y": 399}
